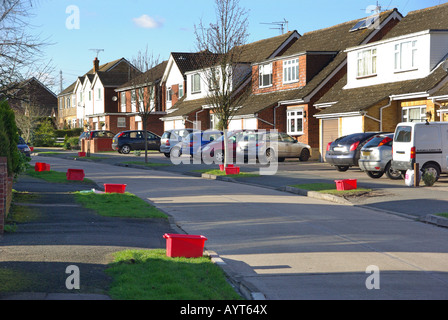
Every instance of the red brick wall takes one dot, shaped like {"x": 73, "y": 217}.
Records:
{"x": 5, "y": 193}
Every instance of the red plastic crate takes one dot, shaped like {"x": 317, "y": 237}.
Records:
{"x": 221, "y": 166}
{"x": 41, "y": 166}
{"x": 232, "y": 170}
{"x": 46, "y": 167}
{"x": 81, "y": 154}
{"x": 114, "y": 188}
{"x": 75, "y": 174}
{"x": 346, "y": 184}
{"x": 184, "y": 245}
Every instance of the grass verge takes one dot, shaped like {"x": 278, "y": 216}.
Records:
{"x": 217, "y": 172}
{"x": 151, "y": 275}
{"x": 55, "y": 176}
{"x": 149, "y": 164}
{"x": 124, "y": 205}
{"x": 329, "y": 188}
{"x": 444, "y": 214}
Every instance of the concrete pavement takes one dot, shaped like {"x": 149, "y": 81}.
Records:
{"x": 284, "y": 246}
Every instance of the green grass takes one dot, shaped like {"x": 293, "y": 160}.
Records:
{"x": 217, "y": 172}
{"x": 48, "y": 152}
{"x": 329, "y": 188}
{"x": 124, "y": 205}
{"x": 54, "y": 176}
{"x": 444, "y": 214}
{"x": 149, "y": 164}
{"x": 14, "y": 281}
{"x": 151, "y": 275}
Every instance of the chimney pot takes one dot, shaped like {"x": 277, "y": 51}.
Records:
{"x": 96, "y": 65}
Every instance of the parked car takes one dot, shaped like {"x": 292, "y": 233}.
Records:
{"x": 95, "y": 134}
{"x": 215, "y": 150}
{"x": 344, "y": 152}
{"x": 126, "y": 141}
{"x": 376, "y": 157}
{"x": 422, "y": 143}
{"x": 23, "y": 147}
{"x": 171, "y": 138}
{"x": 272, "y": 144}
{"x": 193, "y": 143}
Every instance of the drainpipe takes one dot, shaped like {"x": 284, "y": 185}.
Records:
{"x": 275, "y": 115}
{"x": 197, "y": 118}
{"x": 381, "y": 113}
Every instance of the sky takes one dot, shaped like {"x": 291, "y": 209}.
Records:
{"x": 123, "y": 28}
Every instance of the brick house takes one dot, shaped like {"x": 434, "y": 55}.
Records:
{"x": 285, "y": 87}
{"x": 193, "y": 108}
{"x": 34, "y": 92}
{"x": 390, "y": 80}
{"x": 133, "y": 97}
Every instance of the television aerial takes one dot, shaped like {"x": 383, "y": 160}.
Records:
{"x": 280, "y": 25}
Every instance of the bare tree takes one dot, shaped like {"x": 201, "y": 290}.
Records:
{"x": 222, "y": 70}
{"x": 20, "y": 51}
{"x": 146, "y": 85}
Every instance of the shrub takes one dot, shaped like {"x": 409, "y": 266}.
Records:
{"x": 429, "y": 178}
{"x": 45, "y": 135}
{"x": 9, "y": 138}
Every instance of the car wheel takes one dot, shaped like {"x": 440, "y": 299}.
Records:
{"x": 342, "y": 168}
{"x": 375, "y": 174}
{"x": 393, "y": 174}
{"x": 167, "y": 154}
{"x": 304, "y": 155}
{"x": 433, "y": 168}
{"x": 219, "y": 156}
{"x": 125, "y": 149}
{"x": 175, "y": 152}
{"x": 270, "y": 155}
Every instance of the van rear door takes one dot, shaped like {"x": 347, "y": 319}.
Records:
{"x": 403, "y": 143}
{"x": 428, "y": 143}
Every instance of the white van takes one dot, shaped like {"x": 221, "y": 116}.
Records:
{"x": 425, "y": 143}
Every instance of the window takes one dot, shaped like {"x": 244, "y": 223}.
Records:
{"x": 195, "y": 83}
{"x": 291, "y": 70}
{"x": 406, "y": 55}
{"x": 61, "y": 103}
{"x": 99, "y": 94}
{"x": 133, "y": 101}
{"x": 295, "y": 121}
{"x": 123, "y": 101}
{"x": 90, "y": 95}
{"x": 414, "y": 114}
{"x": 121, "y": 122}
{"x": 367, "y": 63}
{"x": 141, "y": 99}
{"x": 265, "y": 75}
{"x": 169, "y": 94}
{"x": 181, "y": 90}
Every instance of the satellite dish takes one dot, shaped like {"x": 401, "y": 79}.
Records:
{"x": 114, "y": 98}
{"x": 445, "y": 65}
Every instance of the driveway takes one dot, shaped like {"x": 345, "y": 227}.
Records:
{"x": 284, "y": 246}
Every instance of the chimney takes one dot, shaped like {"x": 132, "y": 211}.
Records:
{"x": 96, "y": 65}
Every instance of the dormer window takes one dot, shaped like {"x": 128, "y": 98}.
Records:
{"x": 406, "y": 56}
{"x": 195, "y": 83}
{"x": 367, "y": 63}
{"x": 290, "y": 70}
{"x": 265, "y": 75}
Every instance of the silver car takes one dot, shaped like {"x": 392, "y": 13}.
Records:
{"x": 272, "y": 144}
{"x": 172, "y": 137}
{"x": 376, "y": 157}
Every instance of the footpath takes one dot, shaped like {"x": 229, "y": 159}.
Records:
{"x": 61, "y": 233}
{"x": 276, "y": 245}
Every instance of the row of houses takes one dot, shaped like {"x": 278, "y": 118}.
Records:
{"x": 362, "y": 75}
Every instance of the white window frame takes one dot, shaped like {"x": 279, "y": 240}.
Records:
{"x": 123, "y": 101}
{"x": 169, "y": 94}
{"x": 405, "y": 114}
{"x": 265, "y": 70}
{"x": 141, "y": 99}
{"x": 294, "y": 115}
{"x": 121, "y": 122}
{"x": 99, "y": 94}
{"x": 291, "y": 70}
{"x": 405, "y": 56}
{"x": 195, "y": 83}
{"x": 366, "y": 63}
{"x": 133, "y": 101}
{"x": 181, "y": 90}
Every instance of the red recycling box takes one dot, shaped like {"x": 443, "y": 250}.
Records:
{"x": 114, "y": 188}
{"x": 75, "y": 174}
{"x": 346, "y": 184}
{"x": 184, "y": 245}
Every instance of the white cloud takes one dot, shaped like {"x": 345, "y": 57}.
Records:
{"x": 148, "y": 22}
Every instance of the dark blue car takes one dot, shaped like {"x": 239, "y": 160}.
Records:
{"x": 23, "y": 147}
{"x": 193, "y": 143}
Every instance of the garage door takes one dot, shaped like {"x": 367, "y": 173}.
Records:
{"x": 329, "y": 133}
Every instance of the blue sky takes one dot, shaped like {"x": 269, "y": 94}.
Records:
{"x": 122, "y": 28}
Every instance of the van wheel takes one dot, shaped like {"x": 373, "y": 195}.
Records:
{"x": 393, "y": 174}
{"x": 375, "y": 174}
{"x": 342, "y": 168}
{"x": 433, "y": 168}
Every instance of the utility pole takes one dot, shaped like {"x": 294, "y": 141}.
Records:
{"x": 60, "y": 81}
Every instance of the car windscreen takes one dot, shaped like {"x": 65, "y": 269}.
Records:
{"x": 403, "y": 134}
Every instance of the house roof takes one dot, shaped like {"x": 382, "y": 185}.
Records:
{"x": 360, "y": 99}
{"x": 152, "y": 75}
{"x": 184, "y": 107}
{"x": 432, "y": 18}
{"x": 332, "y": 39}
